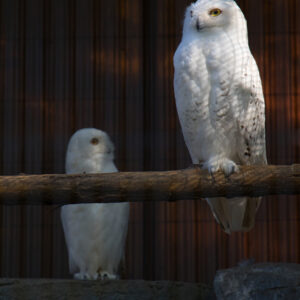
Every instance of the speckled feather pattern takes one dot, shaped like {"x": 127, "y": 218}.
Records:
{"x": 220, "y": 101}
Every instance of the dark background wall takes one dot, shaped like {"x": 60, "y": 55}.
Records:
{"x": 68, "y": 64}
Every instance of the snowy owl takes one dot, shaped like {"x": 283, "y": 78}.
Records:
{"x": 220, "y": 101}
{"x": 95, "y": 233}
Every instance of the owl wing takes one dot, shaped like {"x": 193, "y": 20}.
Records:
{"x": 238, "y": 214}
{"x": 251, "y": 122}
{"x": 67, "y": 218}
{"x": 251, "y": 118}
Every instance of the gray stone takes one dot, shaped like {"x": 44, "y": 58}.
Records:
{"x": 41, "y": 289}
{"x": 258, "y": 281}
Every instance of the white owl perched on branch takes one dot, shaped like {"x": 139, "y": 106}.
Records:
{"x": 95, "y": 233}
{"x": 220, "y": 101}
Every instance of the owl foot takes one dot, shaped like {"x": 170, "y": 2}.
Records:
{"x": 224, "y": 164}
{"x": 105, "y": 275}
{"x": 86, "y": 276}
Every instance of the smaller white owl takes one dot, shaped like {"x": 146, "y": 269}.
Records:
{"x": 95, "y": 233}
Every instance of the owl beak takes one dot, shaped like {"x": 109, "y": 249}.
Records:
{"x": 198, "y": 26}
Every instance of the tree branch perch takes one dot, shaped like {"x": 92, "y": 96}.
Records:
{"x": 187, "y": 184}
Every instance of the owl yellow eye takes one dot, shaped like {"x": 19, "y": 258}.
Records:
{"x": 94, "y": 141}
{"x": 215, "y": 12}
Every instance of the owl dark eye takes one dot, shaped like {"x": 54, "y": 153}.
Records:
{"x": 191, "y": 13}
{"x": 94, "y": 141}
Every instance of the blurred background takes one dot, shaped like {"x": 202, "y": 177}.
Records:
{"x": 68, "y": 64}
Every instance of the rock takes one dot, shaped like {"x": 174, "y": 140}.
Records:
{"x": 259, "y": 281}
{"x": 40, "y": 289}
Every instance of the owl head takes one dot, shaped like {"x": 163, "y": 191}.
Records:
{"x": 212, "y": 15}
{"x": 88, "y": 144}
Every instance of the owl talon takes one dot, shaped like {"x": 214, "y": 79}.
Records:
{"x": 107, "y": 276}
{"x": 86, "y": 276}
{"x": 226, "y": 165}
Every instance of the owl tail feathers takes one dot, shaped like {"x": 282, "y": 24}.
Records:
{"x": 235, "y": 214}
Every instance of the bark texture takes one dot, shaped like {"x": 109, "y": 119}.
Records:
{"x": 191, "y": 183}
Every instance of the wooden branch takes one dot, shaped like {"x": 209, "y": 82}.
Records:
{"x": 192, "y": 183}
